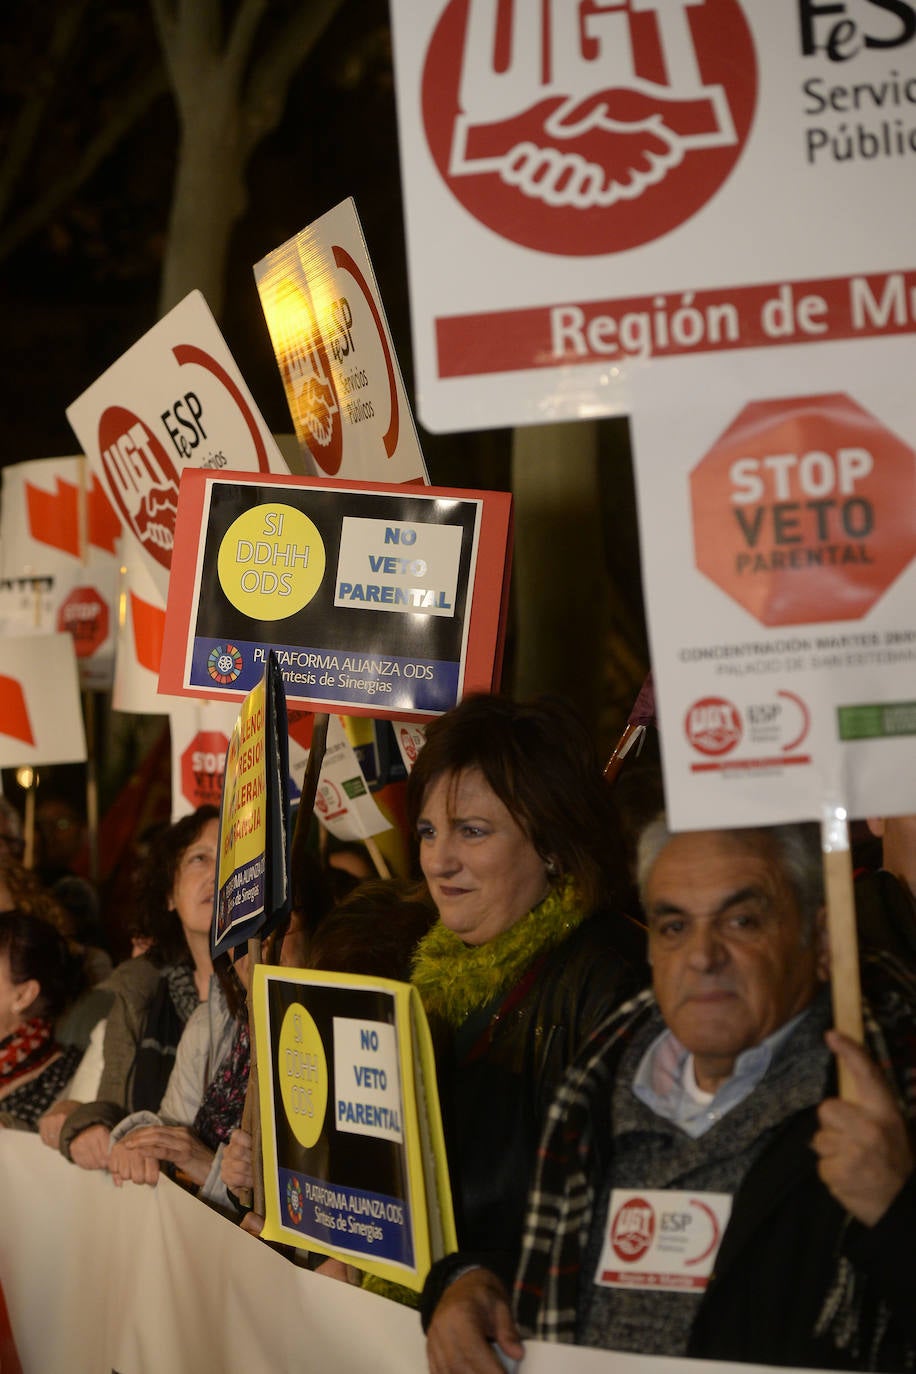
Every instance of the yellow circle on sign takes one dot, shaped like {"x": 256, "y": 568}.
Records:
{"x": 303, "y": 1075}
{"x": 271, "y": 562}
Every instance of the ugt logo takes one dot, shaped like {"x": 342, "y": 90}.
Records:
{"x": 592, "y": 127}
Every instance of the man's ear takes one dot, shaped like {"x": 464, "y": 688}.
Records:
{"x": 876, "y": 826}
{"x": 822, "y": 946}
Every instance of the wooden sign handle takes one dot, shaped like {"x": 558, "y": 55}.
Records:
{"x": 842, "y": 932}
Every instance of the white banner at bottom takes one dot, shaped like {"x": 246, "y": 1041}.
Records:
{"x": 143, "y": 1280}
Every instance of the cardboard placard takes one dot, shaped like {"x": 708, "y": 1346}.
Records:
{"x": 354, "y": 1155}
{"x": 376, "y": 599}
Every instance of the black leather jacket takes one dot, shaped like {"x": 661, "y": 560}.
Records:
{"x": 498, "y": 1073}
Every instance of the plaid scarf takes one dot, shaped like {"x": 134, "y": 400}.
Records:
{"x": 560, "y": 1202}
{"x": 29, "y": 1046}
{"x": 577, "y": 1131}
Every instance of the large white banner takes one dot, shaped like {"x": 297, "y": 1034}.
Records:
{"x": 589, "y": 186}
{"x": 149, "y": 1281}
{"x": 777, "y": 494}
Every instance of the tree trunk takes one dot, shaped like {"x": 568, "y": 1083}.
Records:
{"x": 208, "y": 199}
{"x": 560, "y": 587}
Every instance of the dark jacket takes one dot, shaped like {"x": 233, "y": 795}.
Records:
{"x": 499, "y": 1072}
{"x": 141, "y": 1037}
{"x": 886, "y": 915}
{"x": 797, "y": 1281}
{"x": 780, "y": 1257}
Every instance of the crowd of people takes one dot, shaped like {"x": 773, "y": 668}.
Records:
{"x": 630, "y": 1039}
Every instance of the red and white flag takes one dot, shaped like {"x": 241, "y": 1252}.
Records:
{"x": 59, "y": 531}
{"x": 41, "y": 719}
{"x": 140, "y": 629}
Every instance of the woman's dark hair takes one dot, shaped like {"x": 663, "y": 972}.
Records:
{"x": 36, "y": 950}
{"x": 155, "y": 880}
{"x": 540, "y": 760}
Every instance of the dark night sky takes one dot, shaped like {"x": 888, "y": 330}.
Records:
{"x": 83, "y": 287}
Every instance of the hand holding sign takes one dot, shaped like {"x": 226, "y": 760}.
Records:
{"x": 864, "y": 1149}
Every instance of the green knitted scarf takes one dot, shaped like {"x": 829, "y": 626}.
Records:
{"x": 455, "y": 979}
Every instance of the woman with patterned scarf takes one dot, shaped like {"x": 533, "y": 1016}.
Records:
{"x": 38, "y": 977}
{"x": 203, "y": 1101}
{"x": 518, "y": 842}
{"x": 155, "y": 994}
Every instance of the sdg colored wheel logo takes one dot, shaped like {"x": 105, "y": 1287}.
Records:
{"x": 224, "y": 664}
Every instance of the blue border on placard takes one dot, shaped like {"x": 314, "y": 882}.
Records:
{"x": 416, "y": 684}
{"x": 326, "y": 1220}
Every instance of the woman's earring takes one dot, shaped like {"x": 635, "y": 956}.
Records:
{"x": 553, "y": 868}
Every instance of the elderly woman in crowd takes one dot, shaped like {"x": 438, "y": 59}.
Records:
{"x": 153, "y": 995}
{"x": 203, "y": 1100}
{"x": 518, "y": 843}
{"x": 38, "y": 976}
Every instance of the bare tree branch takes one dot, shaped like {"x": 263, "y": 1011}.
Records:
{"x": 31, "y": 115}
{"x": 140, "y": 97}
{"x": 265, "y": 97}
{"x": 242, "y": 37}
{"x": 165, "y": 20}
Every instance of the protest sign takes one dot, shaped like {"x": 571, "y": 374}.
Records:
{"x": 376, "y": 748}
{"x": 377, "y": 599}
{"x": 41, "y": 720}
{"x": 54, "y": 510}
{"x": 354, "y": 1156}
{"x": 175, "y": 400}
{"x": 343, "y": 801}
{"x": 590, "y": 188}
{"x": 138, "y": 647}
{"x": 252, "y": 893}
{"x": 410, "y": 738}
{"x": 199, "y": 733}
{"x": 57, "y": 524}
{"x": 27, "y": 605}
{"x": 776, "y": 497}
{"x": 335, "y": 355}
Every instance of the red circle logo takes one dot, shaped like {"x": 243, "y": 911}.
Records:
{"x": 408, "y": 744}
{"x": 142, "y": 480}
{"x": 713, "y": 725}
{"x": 579, "y": 131}
{"x": 327, "y": 799}
{"x": 632, "y": 1229}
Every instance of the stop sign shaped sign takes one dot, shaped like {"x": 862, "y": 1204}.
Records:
{"x": 803, "y": 509}
{"x": 202, "y": 766}
{"x": 84, "y": 615}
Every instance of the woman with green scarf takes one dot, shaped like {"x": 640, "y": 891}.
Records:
{"x": 520, "y": 848}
